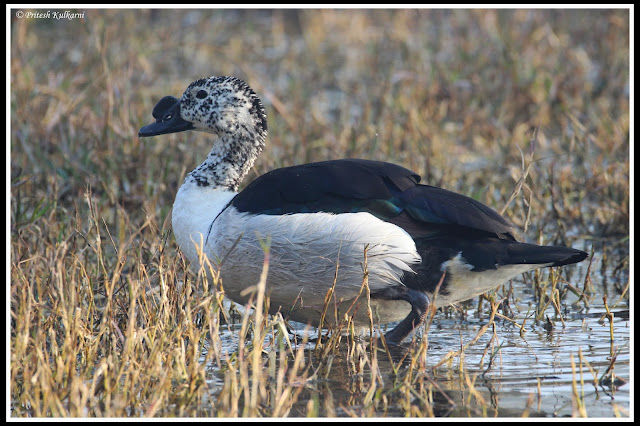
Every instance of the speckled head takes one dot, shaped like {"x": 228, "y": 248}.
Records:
{"x": 220, "y": 105}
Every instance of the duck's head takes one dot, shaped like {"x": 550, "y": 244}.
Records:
{"x": 219, "y": 105}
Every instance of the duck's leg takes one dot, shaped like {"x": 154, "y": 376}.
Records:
{"x": 419, "y": 302}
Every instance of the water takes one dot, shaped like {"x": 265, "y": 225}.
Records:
{"x": 539, "y": 364}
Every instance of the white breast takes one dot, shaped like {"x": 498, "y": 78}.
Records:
{"x": 194, "y": 210}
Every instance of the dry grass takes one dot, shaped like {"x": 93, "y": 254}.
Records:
{"x": 107, "y": 320}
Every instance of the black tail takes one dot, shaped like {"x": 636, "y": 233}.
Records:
{"x": 482, "y": 254}
{"x": 489, "y": 253}
{"x": 522, "y": 253}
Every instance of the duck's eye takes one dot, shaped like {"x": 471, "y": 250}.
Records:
{"x": 201, "y": 94}
{"x": 168, "y": 117}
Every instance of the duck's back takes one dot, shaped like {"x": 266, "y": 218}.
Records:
{"x": 387, "y": 191}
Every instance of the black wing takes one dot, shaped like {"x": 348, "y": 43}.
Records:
{"x": 389, "y": 192}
